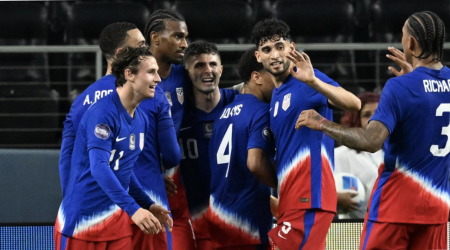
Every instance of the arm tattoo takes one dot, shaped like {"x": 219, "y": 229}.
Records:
{"x": 370, "y": 139}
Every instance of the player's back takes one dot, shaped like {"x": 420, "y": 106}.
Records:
{"x": 239, "y": 204}
{"x": 305, "y": 158}
{"x": 415, "y": 108}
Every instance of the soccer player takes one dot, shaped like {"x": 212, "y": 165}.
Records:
{"x": 166, "y": 33}
{"x": 241, "y": 152}
{"x": 103, "y": 193}
{"x": 409, "y": 205}
{"x": 202, "y": 61}
{"x": 307, "y": 193}
{"x": 113, "y": 38}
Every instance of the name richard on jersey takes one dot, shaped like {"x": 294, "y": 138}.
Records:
{"x": 99, "y": 94}
{"x": 230, "y": 112}
{"x": 436, "y": 85}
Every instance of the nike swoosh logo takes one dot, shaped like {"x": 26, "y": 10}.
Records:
{"x": 120, "y": 139}
{"x": 280, "y": 235}
{"x": 181, "y": 129}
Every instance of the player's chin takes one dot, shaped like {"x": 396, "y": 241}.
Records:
{"x": 150, "y": 93}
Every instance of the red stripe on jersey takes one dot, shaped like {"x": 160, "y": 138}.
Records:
{"x": 225, "y": 234}
{"x": 295, "y": 188}
{"x": 118, "y": 225}
{"x": 328, "y": 192}
{"x": 405, "y": 199}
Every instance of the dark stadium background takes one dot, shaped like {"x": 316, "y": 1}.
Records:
{"x": 37, "y": 89}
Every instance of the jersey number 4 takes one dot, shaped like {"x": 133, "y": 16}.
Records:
{"x": 434, "y": 149}
{"x": 227, "y": 142}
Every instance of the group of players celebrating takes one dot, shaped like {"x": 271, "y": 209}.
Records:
{"x": 155, "y": 156}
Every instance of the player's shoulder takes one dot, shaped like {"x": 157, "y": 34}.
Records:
{"x": 103, "y": 107}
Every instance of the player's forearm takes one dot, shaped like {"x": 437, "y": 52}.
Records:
{"x": 170, "y": 150}
{"x": 259, "y": 164}
{"x": 138, "y": 193}
{"x": 65, "y": 161}
{"x": 355, "y": 138}
{"x": 338, "y": 96}
{"x": 109, "y": 183}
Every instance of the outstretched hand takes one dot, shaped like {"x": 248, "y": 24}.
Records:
{"x": 309, "y": 118}
{"x": 399, "y": 58}
{"x": 162, "y": 215}
{"x": 302, "y": 62}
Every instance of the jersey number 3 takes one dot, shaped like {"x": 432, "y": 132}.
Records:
{"x": 222, "y": 158}
{"x": 434, "y": 149}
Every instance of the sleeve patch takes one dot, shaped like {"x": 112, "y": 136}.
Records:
{"x": 102, "y": 131}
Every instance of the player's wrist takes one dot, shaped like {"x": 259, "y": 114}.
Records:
{"x": 319, "y": 125}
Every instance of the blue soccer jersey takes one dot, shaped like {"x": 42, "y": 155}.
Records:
{"x": 175, "y": 86}
{"x": 413, "y": 184}
{"x": 101, "y": 88}
{"x": 97, "y": 205}
{"x": 239, "y": 212}
{"x": 194, "y": 138}
{"x": 305, "y": 158}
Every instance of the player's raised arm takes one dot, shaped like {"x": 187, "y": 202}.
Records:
{"x": 370, "y": 139}
{"x": 337, "y": 96}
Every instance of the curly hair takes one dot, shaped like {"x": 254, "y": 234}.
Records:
{"x": 156, "y": 22}
{"x": 128, "y": 58}
{"x": 248, "y": 64}
{"x": 353, "y": 119}
{"x": 198, "y": 48}
{"x": 429, "y": 30}
{"x": 269, "y": 29}
{"x": 113, "y": 37}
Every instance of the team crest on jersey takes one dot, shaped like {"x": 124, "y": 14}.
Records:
{"x": 286, "y": 101}
{"x": 132, "y": 141}
{"x": 169, "y": 98}
{"x": 207, "y": 129}
{"x": 141, "y": 140}
{"x": 102, "y": 131}
{"x": 275, "y": 109}
{"x": 180, "y": 95}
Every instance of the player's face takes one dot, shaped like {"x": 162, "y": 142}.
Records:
{"x": 173, "y": 41}
{"x": 367, "y": 112}
{"x": 135, "y": 39}
{"x": 405, "y": 43}
{"x": 146, "y": 79}
{"x": 267, "y": 84}
{"x": 205, "y": 71}
{"x": 273, "y": 55}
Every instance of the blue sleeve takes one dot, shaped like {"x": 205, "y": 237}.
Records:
{"x": 65, "y": 160}
{"x": 167, "y": 138}
{"x": 259, "y": 134}
{"x": 138, "y": 193}
{"x": 100, "y": 127}
{"x": 74, "y": 116}
{"x": 102, "y": 173}
{"x": 388, "y": 111}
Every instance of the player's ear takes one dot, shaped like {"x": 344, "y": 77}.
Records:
{"x": 412, "y": 43}
{"x": 256, "y": 77}
{"x": 221, "y": 70}
{"x": 154, "y": 38}
{"x": 129, "y": 76}
{"x": 257, "y": 56}
{"x": 292, "y": 46}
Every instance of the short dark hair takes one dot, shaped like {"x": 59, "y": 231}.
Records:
{"x": 268, "y": 29}
{"x": 248, "y": 64}
{"x": 157, "y": 22}
{"x": 429, "y": 30}
{"x": 128, "y": 58}
{"x": 113, "y": 37}
{"x": 198, "y": 48}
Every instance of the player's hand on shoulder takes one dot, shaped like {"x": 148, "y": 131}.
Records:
{"x": 171, "y": 188}
{"x": 304, "y": 71}
{"x": 162, "y": 215}
{"x": 309, "y": 118}
{"x": 346, "y": 203}
{"x": 146, "y": 221}
{"x": 399, "y": 58}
